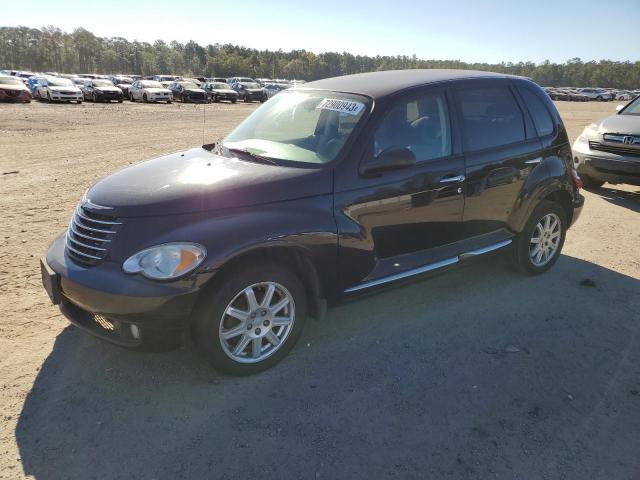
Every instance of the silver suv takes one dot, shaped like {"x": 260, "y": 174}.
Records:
{"x": 609, "y": 150}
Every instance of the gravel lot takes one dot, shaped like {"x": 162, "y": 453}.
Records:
{"x": 478, "y": 373}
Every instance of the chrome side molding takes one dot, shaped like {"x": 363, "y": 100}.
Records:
{"x": 534, "y": 161}
{"x": 427, "y": 268}
{"x": 490, "y": 248}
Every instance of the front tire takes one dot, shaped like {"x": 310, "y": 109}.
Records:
{"x": 252, "y": 319}
{"x": 537, "y": 248}
{"x": 145, "y": 99}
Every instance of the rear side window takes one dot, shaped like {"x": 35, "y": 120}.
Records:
{"x": 491, "y": 117}
{"x": 539, "y": 113}
{"x": 420, "y": 124}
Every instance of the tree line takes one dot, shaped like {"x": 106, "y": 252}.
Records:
{"x": 51, "y": 49}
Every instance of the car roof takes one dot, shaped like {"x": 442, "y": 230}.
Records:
{"x": 381, "y": 84}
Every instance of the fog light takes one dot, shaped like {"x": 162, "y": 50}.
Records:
{"x": 135, "y": 331}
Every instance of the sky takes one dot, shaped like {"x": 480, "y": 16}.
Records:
{"x": 467, "y": 30}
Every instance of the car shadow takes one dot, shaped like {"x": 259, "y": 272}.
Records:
{"x": 477, "y": 373}
{"x": 621, "y": 198}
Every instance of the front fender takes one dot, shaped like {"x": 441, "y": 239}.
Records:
{"x": 305, "y": 224}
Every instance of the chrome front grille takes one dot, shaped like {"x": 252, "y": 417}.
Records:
{"x": 89, "y": 236}
{"x": 619, "y": 150}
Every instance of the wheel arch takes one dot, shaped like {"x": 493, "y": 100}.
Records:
{"x": 295, "y": 257}
{"x": 554, "y": 191}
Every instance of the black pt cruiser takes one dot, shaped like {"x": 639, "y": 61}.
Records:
{"x": 341, "y": 187}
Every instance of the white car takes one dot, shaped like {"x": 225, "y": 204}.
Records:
{"x": 596, "y": 94}
{"x": 624, "y": 96}
{"x": 56, "y": 89}
{"x": 149, "y": 91}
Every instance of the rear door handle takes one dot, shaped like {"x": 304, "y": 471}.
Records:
{"x": 452, "y": 179}
{"x": 534, "y": 161}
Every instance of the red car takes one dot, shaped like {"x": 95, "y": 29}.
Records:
{"x": 12, "y": 89}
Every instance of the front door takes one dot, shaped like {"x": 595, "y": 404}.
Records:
{"x": 403, "y": 219}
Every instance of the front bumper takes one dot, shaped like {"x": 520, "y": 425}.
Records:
{"x": 256, "y": 97}
{"x": 604, "y": 166}
{"x": 15, "y": 96}
{"x": 196, "y": 98}
{"x": 106, "y": 302}
{"x": 160, "y": 98}
{"x": 66, "y": 97}
{"x": 223, "y": 96}
{"x": 107, "y": 96}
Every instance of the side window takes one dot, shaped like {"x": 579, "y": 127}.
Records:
{"x": 539, "y": 113}
{"x": 490, "y": 118}
{"x": 420, "y": 124}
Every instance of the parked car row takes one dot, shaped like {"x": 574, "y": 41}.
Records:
{"x": 587, "y": 94}
{"x": 54, "y": 87}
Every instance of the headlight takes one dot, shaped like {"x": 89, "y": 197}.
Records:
{"x": 590, "y": 131}
{"x": 165, "y": 262}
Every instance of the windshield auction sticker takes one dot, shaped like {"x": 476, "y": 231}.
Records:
{"x": 342, "y": 106}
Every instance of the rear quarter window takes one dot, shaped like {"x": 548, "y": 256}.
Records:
{"x": 491, "y": 118}
{"x": 539, "y": 112}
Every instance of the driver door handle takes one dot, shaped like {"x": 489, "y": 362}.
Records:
{"x": 452, "y": 179}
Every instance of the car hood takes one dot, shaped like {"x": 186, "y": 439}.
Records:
{"x": 224, "y": 90}
{"x": 629, "y": 124}
{"x": 10, "y": 86}
{"x": 194, "y": 90}
{"x": 197, "y": 180}
{"x": 70, "y": 88}
{"x": 254, "y": 90}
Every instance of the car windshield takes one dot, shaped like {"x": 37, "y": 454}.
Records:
{"x": 102, "y": 83}
{"x": 298, "y": 126}
{"x": 125, "y": 80}
{"x": 250, "y": 85}
{"x": 189, "y": 85}
{"x": 11, "y": 81}
{"x": 59, "y": 82}
{"x": 633, "y": 108}
{"x": 220, "y": 86}
{"x": 151, "y": 84}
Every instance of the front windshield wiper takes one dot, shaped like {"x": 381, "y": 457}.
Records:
{"x": 254, "y": 156}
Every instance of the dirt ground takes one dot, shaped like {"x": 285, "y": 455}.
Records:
{"x": 478, "y": 373}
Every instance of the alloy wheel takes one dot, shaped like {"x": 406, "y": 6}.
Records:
{"x": 257, "y": 322}
{"x": 545, "y": 240}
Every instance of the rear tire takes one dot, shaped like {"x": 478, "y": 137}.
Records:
{"x": 210, "y": 318}
{"x": 525, "y": 255}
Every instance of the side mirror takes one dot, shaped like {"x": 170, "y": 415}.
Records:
{"x": 619, "y": 107}
{"x": 393, "y": 158}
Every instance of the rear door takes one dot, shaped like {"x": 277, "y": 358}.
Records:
{"x": 501, "y": 149}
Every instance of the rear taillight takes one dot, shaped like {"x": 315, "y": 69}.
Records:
{"x": 577, "y": 181}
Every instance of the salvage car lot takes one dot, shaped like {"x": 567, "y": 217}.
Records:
{"x": 479, "y": 373}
